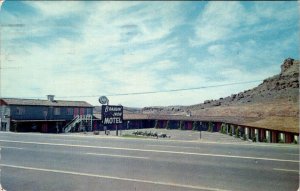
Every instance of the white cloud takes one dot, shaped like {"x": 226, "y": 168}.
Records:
{"x": 125, "y": 47}
{"x": 57, "y": 8}
{"x": 187, "y": 80}
{"x": 216, "y": 50}
{"x": 223, "y": 21}
{"x": 275, "y": 10}
{"x": 217, "y": 21}
{"x": 151, "y": 21}
{"x": 165, "y": 65}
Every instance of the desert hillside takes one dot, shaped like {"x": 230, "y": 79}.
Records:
{"x": 274, "y": 104}
{"x": 276, "y": 99}
{"x": 276, "y": 96}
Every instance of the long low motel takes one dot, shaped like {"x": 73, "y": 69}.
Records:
{"x": 55, "y": 116}
{"x": 270, "y": 129}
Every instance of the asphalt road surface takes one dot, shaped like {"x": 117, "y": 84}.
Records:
{"x": 36, "y": 162}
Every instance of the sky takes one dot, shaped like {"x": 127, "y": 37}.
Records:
{"x": 79, "y": 50}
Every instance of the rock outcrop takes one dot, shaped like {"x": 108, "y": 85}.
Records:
{"x": 275, "y": 96}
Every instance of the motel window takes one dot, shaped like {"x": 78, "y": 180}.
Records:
{"x": 88, "y": 111}
{"x": 57, "y": 111}
{"x": 45, "y": 112}
{"x": 76, "y": 110}
{"x": 70, "y": 111}
{"x": 20, "y": 111}
{"x": 81, "y": 111}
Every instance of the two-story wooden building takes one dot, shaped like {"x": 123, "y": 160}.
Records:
{"x": 36, "y": 115}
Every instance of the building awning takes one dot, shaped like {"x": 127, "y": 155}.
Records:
{"x": 28, "y": 121}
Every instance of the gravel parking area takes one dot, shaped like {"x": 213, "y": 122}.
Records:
{"x": 184, "y": 135}
{"x": 190, "y": 135}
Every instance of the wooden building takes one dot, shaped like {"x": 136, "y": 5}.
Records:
{"x": 36, "y": 115}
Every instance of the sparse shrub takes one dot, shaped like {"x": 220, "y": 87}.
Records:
{"x": 223, "y": 128}
{"x": 254, "y": 139}
{"x": 210, "y": 127}
{"x": 237, "y": 133}
{"x": 244, "y": 137}
{"x": 265, "y": 140}
{"x": 195, "y": 126}
{"x": 295, "y": 141}
{"x": 280, "y": 141}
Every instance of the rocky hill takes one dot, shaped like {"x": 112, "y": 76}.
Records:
{"x": 276, "y": 96}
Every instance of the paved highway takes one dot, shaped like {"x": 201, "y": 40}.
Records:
{"x": 68, "y": 162}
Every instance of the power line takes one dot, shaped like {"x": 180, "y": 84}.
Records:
{"x": 164, "y": 91}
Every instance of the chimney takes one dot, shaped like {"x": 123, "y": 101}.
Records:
{"x": 50, "y": 98}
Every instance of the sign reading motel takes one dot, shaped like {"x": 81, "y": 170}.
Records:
{"x": 112, "y": 114}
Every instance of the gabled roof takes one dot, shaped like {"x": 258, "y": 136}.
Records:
{"x": 39, "y": 102}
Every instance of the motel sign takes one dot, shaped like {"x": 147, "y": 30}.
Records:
{"x": 112, "y": 114}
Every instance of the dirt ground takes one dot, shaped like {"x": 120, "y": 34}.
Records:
{"x": 184, "y": 135}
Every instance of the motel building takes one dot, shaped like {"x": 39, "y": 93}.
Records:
{"x": 46, "y": 116}
{"x": 269, "y": 130}
{"x": 57, "y": 116}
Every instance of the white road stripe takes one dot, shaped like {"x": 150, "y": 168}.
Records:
{"x": 170, "y": 146}
{"x": 10, "y": 147}
{"x": 160, "y": 140}
{"x": 122, "y": 156}
{"x": 69, "y": 140}
{"x": 173, "y": 146}
{"x": 292, "y": 154}
{"x": 286, "y": 170}
{"x": 184, "y": 186}
{"x": 155, "y": 151}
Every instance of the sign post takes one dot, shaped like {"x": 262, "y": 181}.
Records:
{"x": 200, "y": 128}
